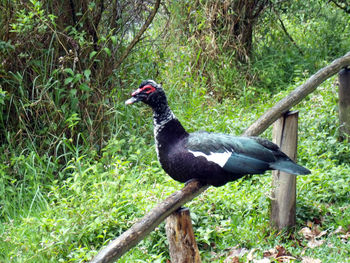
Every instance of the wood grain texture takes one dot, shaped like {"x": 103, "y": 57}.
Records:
{"x": 182, "y": 243}
{"x": 283, "y": 201}
{"x": 344, "y": 103}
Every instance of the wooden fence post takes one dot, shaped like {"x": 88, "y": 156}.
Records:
{"x": 182, "y": 243}
{"x": 344, "y": 103}
{"x": 285, "y": 135}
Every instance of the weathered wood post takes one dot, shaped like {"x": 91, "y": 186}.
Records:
{"x": 285, "y": 135}
{"x": 117, "y": 247}
{"x": 344, "y": 103}
{"x": 182, "y": 243}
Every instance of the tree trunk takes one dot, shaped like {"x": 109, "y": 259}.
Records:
{"x": 285, "y": 135}
{"x": 182, "y": 243}
{"x": 233, "y": 21}
{"x": 344, "y": 103}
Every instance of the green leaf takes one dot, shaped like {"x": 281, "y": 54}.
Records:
{"x": 108, "y": 51}
{"x": 68, "y": 80}
{"x": 73, "y": 92}
{"x": 114, "y": 40}
{"x": 77, "y": 77}
{"x": 84, "y": 87}
{"x": 69, "y": 71}
{"x": 92, "y": 54}
{"x": 87, "y": 73}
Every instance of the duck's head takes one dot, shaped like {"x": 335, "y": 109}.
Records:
{"x": 150, "y": 93}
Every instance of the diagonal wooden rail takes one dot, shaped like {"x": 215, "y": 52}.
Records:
{"x": 116, "y": 248}
{"x": 297, "y": 95}
{"x": 150, "y": 221}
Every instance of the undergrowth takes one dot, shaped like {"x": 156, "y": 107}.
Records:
{"x": 69, "y": 214}
{"x": 78, "y": 167}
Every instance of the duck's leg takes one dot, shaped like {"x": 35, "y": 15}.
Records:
{"x": 191, "y": 180}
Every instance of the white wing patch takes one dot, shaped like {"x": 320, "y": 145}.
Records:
{"x": 218, "y": 158}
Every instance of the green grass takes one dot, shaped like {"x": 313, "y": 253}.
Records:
{"x": 67, "y": 215}
{"x": 74, "y": 176}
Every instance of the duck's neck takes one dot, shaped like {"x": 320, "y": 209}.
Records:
{"x": 161, "y": 117}
{"x": 165, "y": 120}
{"x": 168, "y": 131}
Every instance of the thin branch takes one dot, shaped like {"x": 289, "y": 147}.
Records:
{"x": 290, "y": 37}
{"x": 286, "y": 32}
{"x": 139, "y": 34}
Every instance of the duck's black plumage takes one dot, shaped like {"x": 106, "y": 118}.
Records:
{"x": 211, "y": 158}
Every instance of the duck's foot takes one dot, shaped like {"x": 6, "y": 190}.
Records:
{"x": 191, "y": 180}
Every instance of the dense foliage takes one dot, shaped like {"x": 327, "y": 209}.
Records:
{"x": 78, "y": 167}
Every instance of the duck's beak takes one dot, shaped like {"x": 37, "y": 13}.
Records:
{"x": 137, "y": 95}
{"x": 131, "y": 100}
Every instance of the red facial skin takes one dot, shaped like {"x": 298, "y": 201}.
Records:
{"x": 148, "y": 88}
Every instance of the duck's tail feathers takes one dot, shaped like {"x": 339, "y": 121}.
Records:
{"x": 290, "y": 167}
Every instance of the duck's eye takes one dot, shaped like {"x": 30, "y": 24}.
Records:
{"x": 148, "y": 89}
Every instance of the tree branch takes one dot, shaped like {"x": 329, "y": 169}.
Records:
{"x": 290, "y": 37}
{"x": 296, "y": 96}
{"x": 286, "y": 32}
{"x": 139, "y": 34}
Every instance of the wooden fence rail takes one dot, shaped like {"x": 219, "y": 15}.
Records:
{"x": 296, "y": 96}
{"x": 116, "y": 248}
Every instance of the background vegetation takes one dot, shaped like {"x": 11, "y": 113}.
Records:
{"x": 78, "y": 167}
